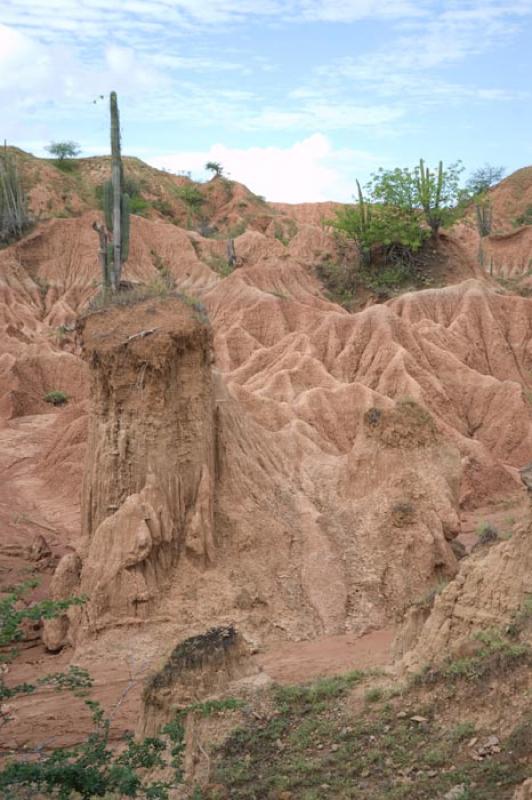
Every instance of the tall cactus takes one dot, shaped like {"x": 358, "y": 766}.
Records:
{"x": 365, "y": 214}
{"x": 430, "y": 189}
{"x": 484, "y": 215}
{"x": 116, "y": 178}
{"x": 14, "y": 217}
{"x": 114, "y": 237}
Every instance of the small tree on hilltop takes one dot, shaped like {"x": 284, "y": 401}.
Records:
{"x": 477, "y": 189}
{"x": 484, "y": 178}
{"x": 215, "y": 167}
{"x": 62, "y": 150}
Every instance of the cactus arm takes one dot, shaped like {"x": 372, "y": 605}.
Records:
{"x": 104, "y": 255}
{"x": 439, "y": 185}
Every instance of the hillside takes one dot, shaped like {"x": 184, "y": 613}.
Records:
{"x": 236, "y": 448}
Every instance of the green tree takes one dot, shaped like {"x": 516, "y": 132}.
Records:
{"x": 215, "y": 167}
{"x": 62, "y": 150}
{"x": 483, "y": 179}
{"x": 395, "y": 227}
{"x": 90, "y": 769}
{"x": 436, "y": 193}
{"x": 477, "y": 191}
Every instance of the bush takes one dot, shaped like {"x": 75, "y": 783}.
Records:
{"x": 399, "y": 205}
{"x": 497, "y": 655}
{"x": 524, "y": 219}
{"x": 436, "y": 194}
{"x": 84, "y": 771}
{"x": 190, "y": 195}
{"x": 138, "y": 205}
{"x": 339, "y": 279}
{"x": 374, "y": 695}
{"x": 56, "y": 398}
{"x": 488, "y": 533}
{"x": 219, "y": 264}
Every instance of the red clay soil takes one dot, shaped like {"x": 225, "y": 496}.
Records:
{"x": 350, "y": 448}
{"x": 297, "y": 662}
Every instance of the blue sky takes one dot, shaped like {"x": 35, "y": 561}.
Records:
{"x": 296, "y": 98}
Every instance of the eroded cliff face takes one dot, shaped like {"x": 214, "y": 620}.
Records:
{"x": 194, "y": 515}
{"x": 147, "y": 497}
{"x": 488, "y": 592}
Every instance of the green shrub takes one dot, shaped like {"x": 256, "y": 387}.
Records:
{"x": 340, "y": 280}
{"x": 219, "y": 264}
{"x": 190, "y": 195}
{"x": 138, "y": 205}
{"x": 488, "y": 533}
{"x": 66, "y": 166}
{"x": 461, "y": 731}
{"x": 236, "y": 230}
{"x": 56, "y": 398}
{"x": 520, "y": 740}
{"x": 374, "y": 695}
{"x": 496, "y": 656}
{"x": 524, "y": 219}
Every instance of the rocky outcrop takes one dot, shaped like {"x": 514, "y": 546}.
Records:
{"x": 524, "y": 792}
{"x": 200, "y": 667}
{"x": 488, "y": 591}
{"x": 64, "y": 584}
{"x": 326, "y": 518}
{"x": 148, "y": 487}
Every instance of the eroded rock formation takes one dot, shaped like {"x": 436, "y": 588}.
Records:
{"x": 200, "y": 667}
{"x": 488, "y": 592}
{"x": 147, "y": 496}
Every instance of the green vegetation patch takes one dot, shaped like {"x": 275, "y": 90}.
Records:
{"x": 496, "y": 654}
{"x": 56, "y": 397}
{"x": 310, "y": 745}
{"x": 219, "y": 264}
{"x": 190, "y": 195}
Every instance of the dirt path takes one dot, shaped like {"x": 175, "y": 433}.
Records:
{"x": 297, "y": 662}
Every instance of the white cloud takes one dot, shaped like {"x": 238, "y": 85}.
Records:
{"x": 352, "y": 10}
{"x": 324, "y": 116}
{"x": 310, "y": 170}
{"x": 94, "y": 17}
{"x": 410, "y": 65}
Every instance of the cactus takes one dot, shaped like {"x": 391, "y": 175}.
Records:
{"x": 364, "y": 222}
{"x": 430, "y": 190}
{"x": 116, "y": 178}
{"x": 108, "y": 204}
{"x": 114, "y": 237}
{"x": 126, "y": 222}
{"x": 231, "y": 253}
{"x": 14, "y": 217}
{"x": 484, "y": 216}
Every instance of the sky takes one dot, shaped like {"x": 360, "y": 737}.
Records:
{"x": 296, "y": 98}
